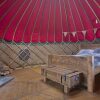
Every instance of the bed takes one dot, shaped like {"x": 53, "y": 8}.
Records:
{"x": 87, "y": 63}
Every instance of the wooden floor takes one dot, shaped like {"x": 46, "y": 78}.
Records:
{"x": 28, "y": 85}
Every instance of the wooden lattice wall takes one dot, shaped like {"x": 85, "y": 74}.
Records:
{"x": 9, "y": 53}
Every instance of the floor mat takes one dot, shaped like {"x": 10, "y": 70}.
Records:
{"x": 5, "y": 79}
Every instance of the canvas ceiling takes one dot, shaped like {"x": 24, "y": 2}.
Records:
{"x": 33, "y": 21}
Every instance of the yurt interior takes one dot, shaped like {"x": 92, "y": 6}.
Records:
{"x": 49, "y": 49}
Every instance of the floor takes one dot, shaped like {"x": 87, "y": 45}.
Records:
{"x": 28, "y": 85}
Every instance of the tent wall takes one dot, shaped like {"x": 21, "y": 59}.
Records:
{"x": 9, "y": 53}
